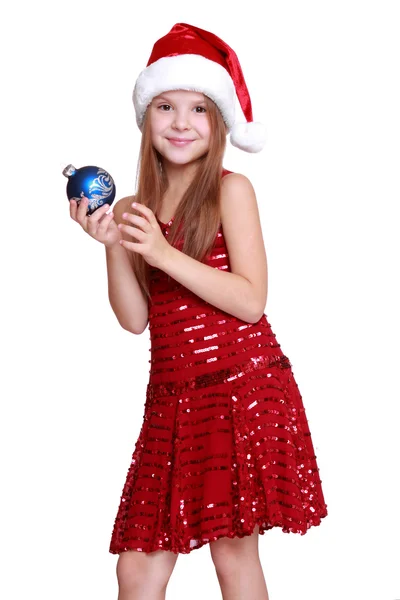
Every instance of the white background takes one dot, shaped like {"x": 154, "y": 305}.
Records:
{"x": 324, "y": 78}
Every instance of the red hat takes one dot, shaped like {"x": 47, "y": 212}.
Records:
{"x": 189, "y": 58}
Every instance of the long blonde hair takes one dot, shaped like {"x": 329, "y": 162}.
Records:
{"x": 198, "y": 211}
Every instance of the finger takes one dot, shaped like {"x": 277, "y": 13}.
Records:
{"x": 132, "y": 246}
{"x": 95, "y": 218}
{"x": 136, "y": 233}
{"x": 99, "y": 213}
{"x": 104, "y": 212}
{"x": 136, "y": 220}
{"x": 127, "y": 216}
{"x": 129, "y": 230}
{"x": 72, "y": 209}
{"x": 82, "y": 210}
{"x": 145, "y": 210}
{"x": 104, "y": 223}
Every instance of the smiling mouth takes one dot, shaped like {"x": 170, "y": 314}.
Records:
{"x": 179, "y": 142}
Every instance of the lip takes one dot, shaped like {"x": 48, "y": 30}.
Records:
{"x": 179, "y": 141}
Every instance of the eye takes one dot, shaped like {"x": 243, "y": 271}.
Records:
{"x": 201, "y": 108}
{"x": 162, "y": 105}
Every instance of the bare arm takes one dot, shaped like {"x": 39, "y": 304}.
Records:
{"x": 227, "y": 291}
{"x": 126, "y": 298}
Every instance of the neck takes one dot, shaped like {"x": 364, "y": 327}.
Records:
{"x": 179, "y": 177}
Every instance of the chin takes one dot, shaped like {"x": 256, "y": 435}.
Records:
{"x": 182, "y": 161}
{"x": 180, "y": 158}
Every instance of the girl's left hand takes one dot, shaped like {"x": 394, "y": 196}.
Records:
{"x": 151, "y": 243}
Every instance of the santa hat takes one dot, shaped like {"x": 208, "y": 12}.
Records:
{"x": 189, "y": 58}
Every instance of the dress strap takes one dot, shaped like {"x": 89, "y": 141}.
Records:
{"x": 225, "y": 172}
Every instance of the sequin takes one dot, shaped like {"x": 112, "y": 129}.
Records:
{"x": 225, "y": 443}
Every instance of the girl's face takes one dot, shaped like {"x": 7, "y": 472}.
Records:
{"x": 180, "y": 128}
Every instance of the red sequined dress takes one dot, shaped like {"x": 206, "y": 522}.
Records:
{"x": 225, "y": 443}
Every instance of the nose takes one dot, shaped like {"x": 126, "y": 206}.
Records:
{"x": 181, "y": 120}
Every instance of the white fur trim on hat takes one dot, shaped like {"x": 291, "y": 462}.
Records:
{"x": 185, "y": 72}
{"x": 250, "y": 137}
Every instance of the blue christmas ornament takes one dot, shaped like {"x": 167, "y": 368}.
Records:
{"x": 93, "y": 182}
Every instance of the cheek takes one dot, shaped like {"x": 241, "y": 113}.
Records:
{"x": 204, "y": 127}
{"x": 155, "y": 126}
{"x": 158, "y": 121}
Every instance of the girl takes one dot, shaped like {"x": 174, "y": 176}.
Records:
{"x": 225, "y": 451}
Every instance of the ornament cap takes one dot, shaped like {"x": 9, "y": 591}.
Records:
{"x": 69, "y": 170}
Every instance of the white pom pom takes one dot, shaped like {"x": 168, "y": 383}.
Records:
{"x": 250, "y": 137}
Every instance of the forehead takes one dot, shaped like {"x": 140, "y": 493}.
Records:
{"x": 181, "y": 95}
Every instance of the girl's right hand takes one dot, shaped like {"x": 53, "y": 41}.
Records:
{"x": 98, "y": 225}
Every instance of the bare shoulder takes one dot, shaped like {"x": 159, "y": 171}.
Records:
{"x": 240, "y": 220}
{"x": 232, "y": 180}
{"x": 237, "y": 196}
{"x": 121, "y": 206}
